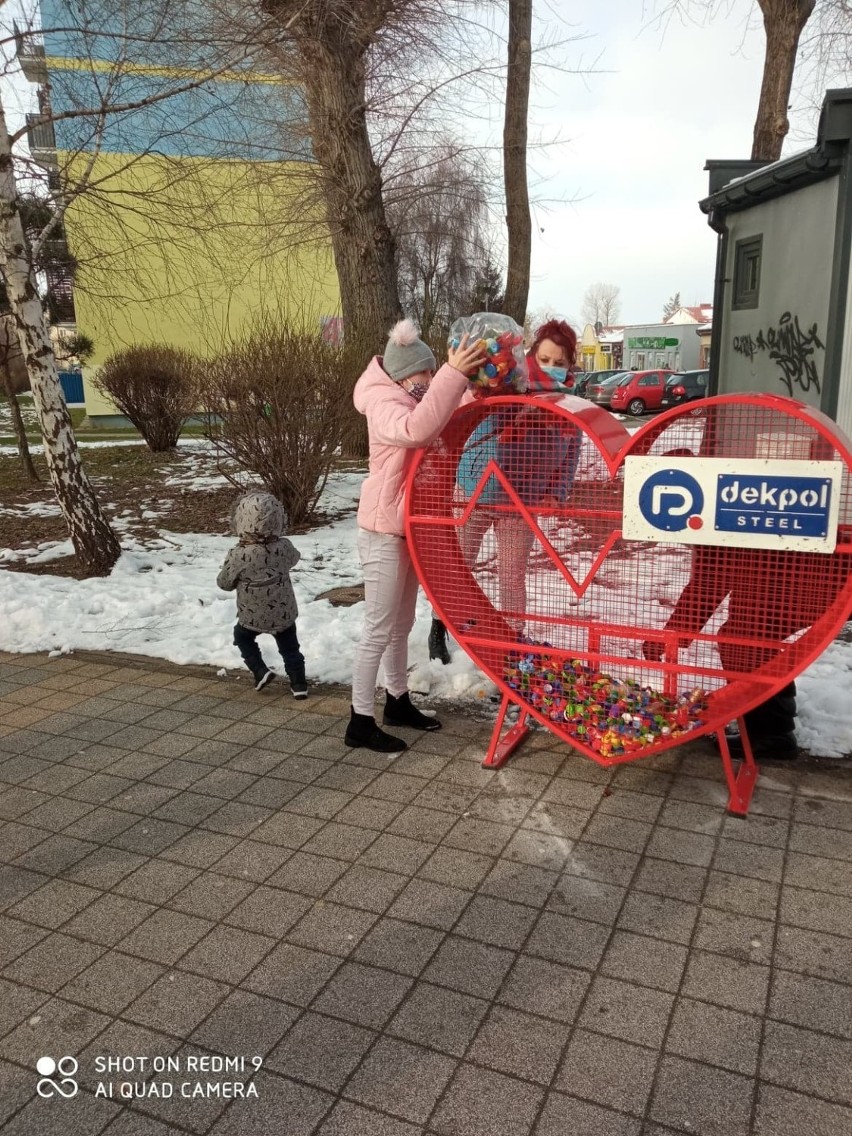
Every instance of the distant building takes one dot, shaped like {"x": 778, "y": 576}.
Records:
{"x": 783, "y": 299}
{"x": 696, "y": 313}
{"x": 705, "y": 336}
{"x": 681, "y": 343}
{"x": 673, "y": 345}
{"x": 599, "y": 349}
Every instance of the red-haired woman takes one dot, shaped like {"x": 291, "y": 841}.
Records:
{"x": 538, "y": 458}
{"x": 551, "y": 357}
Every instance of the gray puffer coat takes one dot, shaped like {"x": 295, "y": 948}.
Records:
{"x": 259, "y": 567}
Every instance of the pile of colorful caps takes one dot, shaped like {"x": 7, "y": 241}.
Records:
{"x": 501, "y": 340}
{"x": 609, "y": 715}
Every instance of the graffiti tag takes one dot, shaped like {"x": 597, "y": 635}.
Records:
{"x": 788, "y": 346}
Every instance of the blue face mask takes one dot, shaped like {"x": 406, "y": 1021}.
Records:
{"x": 558, "y": 373}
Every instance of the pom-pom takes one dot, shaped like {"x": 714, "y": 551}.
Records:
{"x": 404, "y": 333}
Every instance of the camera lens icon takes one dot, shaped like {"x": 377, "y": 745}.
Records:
{"x": 64, "y": 1069}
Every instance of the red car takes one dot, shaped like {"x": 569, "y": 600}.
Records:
{"x": 639, "y": 391}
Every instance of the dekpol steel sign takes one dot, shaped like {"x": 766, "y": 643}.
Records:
{"x": 739, "y": 502}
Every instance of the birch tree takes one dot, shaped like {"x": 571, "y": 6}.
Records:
{"x": 95, "y": 544}
{"x": 94, "y": 541}
{"x": 9, "y": 353}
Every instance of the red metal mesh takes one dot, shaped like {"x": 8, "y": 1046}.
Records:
{"x": 528, "y": 551}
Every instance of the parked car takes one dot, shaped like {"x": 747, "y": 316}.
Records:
{"x": 686, "y": 386}
{"x": 584, "y": 379}
{"x": 600, "y": 390}
{"x": 642, "y": 391}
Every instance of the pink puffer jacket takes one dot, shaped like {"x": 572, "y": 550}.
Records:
{"x": 397, "y": 427}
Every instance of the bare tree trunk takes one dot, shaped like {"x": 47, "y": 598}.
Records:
{"x": 94, "y": 542}
{"x": 783, "y": 21}
{"x": 364, "y": 247}
{"x": 24, "y": 454}
{"x": 518, "y": 221}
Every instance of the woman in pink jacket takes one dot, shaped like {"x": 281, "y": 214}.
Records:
{"x": 406, "y": 408}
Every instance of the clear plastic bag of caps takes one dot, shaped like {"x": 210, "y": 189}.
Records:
{"x": 502, "y": 341}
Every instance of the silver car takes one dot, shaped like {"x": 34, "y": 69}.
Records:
{"x": 601, "y": 392}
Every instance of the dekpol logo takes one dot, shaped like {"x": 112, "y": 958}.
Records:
{"x": 670, "y": 500}
{"x": 741, "y": 502}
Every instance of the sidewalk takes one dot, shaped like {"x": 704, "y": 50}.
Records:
{"x": 191, "y": 870}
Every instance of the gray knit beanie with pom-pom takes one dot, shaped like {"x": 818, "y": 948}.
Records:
{"x": 406, "y": 354}
{"x": 258, "y": 517}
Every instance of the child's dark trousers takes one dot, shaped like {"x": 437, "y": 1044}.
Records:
{"x": 245, "y": 640}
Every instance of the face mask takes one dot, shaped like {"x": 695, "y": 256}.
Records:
{"x": 417, "y": 391}
{"x": 558, "y": 373}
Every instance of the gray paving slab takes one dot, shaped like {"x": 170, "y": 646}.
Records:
{"x": 482, "y": 1102}
{"x": 403, "y": 1079}
{"x": 692, "y": 1097}
{"x": 408, "y": 945}
{"x": 321, "y": 1050}
{"x": 564, "y": 1114}
{"x": 522, "y": 1044}
{"x": 613, "y": 1073}
{"x": 348, "y": 1119}
{"x": 784, "y": 1113}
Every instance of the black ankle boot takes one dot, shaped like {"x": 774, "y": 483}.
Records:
{"x": 778, "y": 746}
{"x": 363, "y": 731}
{"x": 438, "y": 648}
{"x": 402, "y": 712}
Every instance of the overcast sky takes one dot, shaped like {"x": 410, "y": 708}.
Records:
{"x": 640, "y": 131}
{"x": 639, "y": 109}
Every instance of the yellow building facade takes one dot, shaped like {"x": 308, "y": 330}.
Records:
{"x": 208, "y": 255}
{"x": 193, "y": 208}
{"x": 599, "y": 352}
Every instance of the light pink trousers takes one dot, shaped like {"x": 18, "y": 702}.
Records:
{"x": 514, "y": 544}
{"x": 390, "y": 594}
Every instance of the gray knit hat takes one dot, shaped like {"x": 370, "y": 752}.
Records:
{"x": 406, "y": 354}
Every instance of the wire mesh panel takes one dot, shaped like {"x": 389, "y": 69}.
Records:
{"x": 624, "y": 646}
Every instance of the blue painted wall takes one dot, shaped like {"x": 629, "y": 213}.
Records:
{"x": 227, "y": 119}
{"x": 232, "y": 118}
{"x": 162, "y": 33}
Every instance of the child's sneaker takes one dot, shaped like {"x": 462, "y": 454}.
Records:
{"x": 299, "y": 689}
{"x": 262, "y": 679}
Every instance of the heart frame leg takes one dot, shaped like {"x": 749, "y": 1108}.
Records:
{"x": 741, "y": 782}
{"x": 502, "y": 746}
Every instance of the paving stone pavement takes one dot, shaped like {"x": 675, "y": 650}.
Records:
{"x": 413, "y": 947}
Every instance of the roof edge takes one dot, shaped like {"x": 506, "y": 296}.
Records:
{"x": 764, "y": 182}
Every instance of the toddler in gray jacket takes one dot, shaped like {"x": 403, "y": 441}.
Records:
{"x": 259, "y": 569}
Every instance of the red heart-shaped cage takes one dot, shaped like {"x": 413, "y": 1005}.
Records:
{"x": 514, "y": 522}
